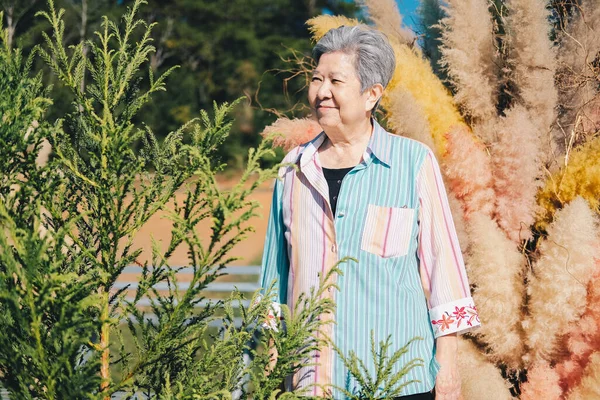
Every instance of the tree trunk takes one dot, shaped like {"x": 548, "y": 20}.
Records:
{"x": 82, "y": 31}
{"x": 11, "y": 25}
{"x": 104, "y": 343}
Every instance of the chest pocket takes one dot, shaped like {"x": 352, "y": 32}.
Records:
{"x": 387, "y": 230}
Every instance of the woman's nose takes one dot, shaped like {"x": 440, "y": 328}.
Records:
{"x": 324, "y": 91}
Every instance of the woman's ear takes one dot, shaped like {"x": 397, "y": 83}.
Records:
{"x": 375, "y": 92}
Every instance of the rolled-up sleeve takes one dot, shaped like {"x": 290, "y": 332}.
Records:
{"x": 441, "y": 265}
{"x": 275, "y": 262}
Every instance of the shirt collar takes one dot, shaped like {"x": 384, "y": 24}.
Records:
{"x": 379, "y": 146}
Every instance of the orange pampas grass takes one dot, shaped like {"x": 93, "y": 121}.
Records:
{"x": 495, "y": 268}
{"x": 319, "y": 26}
{"x": 557, "y": 287}
{"x": 387, "y": 18}
{"x": 293, "y": 132}
{"x": 480, "y": 380}
{"x": 534, "y": 61}
{"x": 467, "y": 166}
{"x": 516, "y": 170}
{"x": 581, "y": 177}
{"x": 414, "y": 74}
{"x": 469, "y": 56}
{"x": 542, "y": 383}
{"x": 589, "y": 388}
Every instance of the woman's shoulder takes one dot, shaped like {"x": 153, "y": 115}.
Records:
{"x": 403, "y": 146}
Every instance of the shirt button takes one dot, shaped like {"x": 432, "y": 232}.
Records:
{"x": 333, "y": 249}
{"x": 334, "y": 197}
{"x": 339, "y": 182}
{"x": 341, "y": 214}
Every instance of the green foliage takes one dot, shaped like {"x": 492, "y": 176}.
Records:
{"x": 296, "y": 340}
{"x": 386, "y": 383}
{"x": 45, "y": 308}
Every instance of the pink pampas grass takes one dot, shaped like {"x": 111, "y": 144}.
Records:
{"x": 387, "y": 18}
{"x": 533, "y": 58}
{"x": 582, "y": 338}
{"x": 480, "y": 379}
{"x": 467, "y": 166}
{"x": 589, "y": 388}
{"x": 495, "y": 268}
{"x": 516, "y": 171}
{"x": 558, "y": 285}
{"x": 542, "y": 383}
{"x": 292, "y": 132}
{"x": 469, "y": 55}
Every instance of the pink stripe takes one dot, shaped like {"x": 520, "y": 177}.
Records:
{"x": 322, "y": 275}
{"x": 291, "y": 256}
{"x": 387, "y": 231}
{"x": 422, "y": 255}
{"x": 450, "y": 236}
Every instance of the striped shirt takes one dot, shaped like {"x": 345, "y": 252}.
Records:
{"x": 393, "y": 217}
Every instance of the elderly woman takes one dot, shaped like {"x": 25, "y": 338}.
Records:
{"x": 362, "y": 192}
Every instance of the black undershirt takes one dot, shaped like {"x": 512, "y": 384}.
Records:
{"x": 334, "y": 179}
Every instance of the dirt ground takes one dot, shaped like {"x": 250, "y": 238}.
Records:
{"x": 249, "y": 250}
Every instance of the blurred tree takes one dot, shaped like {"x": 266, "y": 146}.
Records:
{"x": 223, "y": 50}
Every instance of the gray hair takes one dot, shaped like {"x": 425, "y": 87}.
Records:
{"x": 374, "y": 57}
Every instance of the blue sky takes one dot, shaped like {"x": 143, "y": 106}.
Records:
{"x": 408, "y": 9}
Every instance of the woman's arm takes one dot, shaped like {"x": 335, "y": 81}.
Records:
{"x": 447, "y": 383}
{"x": 443, "y": 276}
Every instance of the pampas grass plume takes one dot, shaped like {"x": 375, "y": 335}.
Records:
{"x": 467, "y": 166}
{"x": 582, "y": 338}
{"x": 290, "y": 133}
{"x": 495, "y": 268}
{"x": 589, "y": 388}
{"x": 406, "y": 118}
{"x": 558, "y": 287}
{"x": 414, "y": 74}
{"x": 320, "y": 25}
{"x": 534, "y": 59}
{"x": 469, "y": 56}
{"x": 542, "y": 383}
{"x": 516, "y": 170}
{"x": 387, "y": 18}
{"x": 480, "y": 379}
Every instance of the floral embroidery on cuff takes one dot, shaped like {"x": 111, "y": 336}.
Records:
{"x": 272, "y": 316}
{"x": 454, "y": 317}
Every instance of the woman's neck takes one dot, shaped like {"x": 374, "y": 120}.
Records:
{"x": 345, "y": 148}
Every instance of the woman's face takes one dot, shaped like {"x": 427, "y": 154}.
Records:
{"x": 334, "y": 92}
